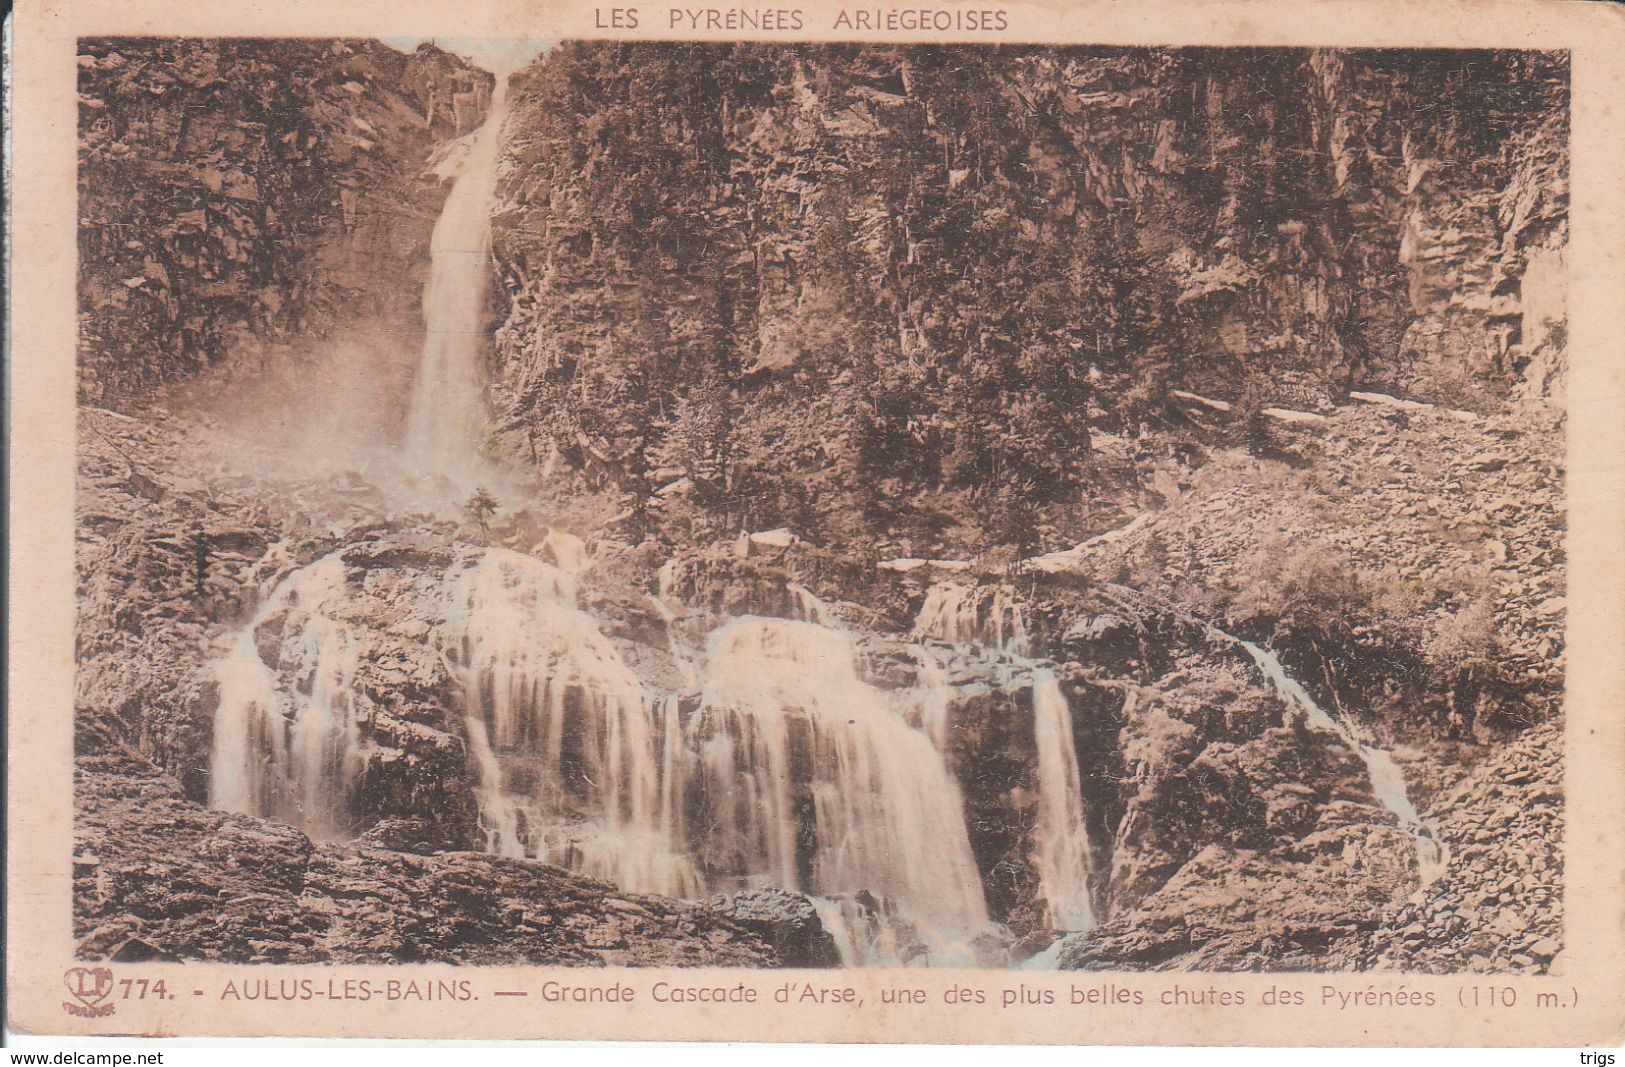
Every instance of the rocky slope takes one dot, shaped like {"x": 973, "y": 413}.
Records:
{"x": 1407, "y": 567}
{"x": 1377, "y": 535}
{"x": 1500, "y": 906}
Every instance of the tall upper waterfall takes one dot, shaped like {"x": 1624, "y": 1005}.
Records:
{"x": 446, "y": 422}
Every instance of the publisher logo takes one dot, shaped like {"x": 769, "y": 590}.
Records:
{"x": 89, "y": 986}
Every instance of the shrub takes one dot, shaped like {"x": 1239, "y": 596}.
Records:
{"x": 1303, "y": 587}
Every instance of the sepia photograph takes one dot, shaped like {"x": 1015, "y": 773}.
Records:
{"x": 820, "y": 505}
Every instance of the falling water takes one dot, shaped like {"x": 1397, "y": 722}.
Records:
{"x": 778, "y": 765}
{"x": 932, "y": 696}
{"x": 801, "y": 774}
{"x": 291, "y": 749}
{"x": 1387, "y": 780}
{"x": 790, "y": 737}
{"x": 992, "y": 617}
{"x": 569, "y": 743}
{"x": 447, "y": 420}
{"x": 1060, "y": 842}
{"x": 806, "y": 606}
{"x": 967, "y": 614}
{"x": 865, "y": 935}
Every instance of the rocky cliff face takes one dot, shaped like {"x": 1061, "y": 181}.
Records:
{"x": 883, "y": 293}
{"x": 241, "y": 199}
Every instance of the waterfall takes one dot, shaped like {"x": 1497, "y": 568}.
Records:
{"x": 967, "y": 615}
{"x": 576, "y": 763}
{"x": 776, "y": 765}
{"x": 446, "y": 420}
{"x": 1060, "y": 842}
{"x": 671, "y": 778}
{"x": 807, "y": 607}
{"x": 863, "y": 936}
{"x": 991, "y": 617}
{"x": 1387, "y": 780}
{"x": 574, "y": 753}
{"x": 291, "y": 749}
{"x": 932, "y": 696}
{"x": 795, "y": 746}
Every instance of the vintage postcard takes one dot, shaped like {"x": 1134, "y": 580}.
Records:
{"x": 960, "y": 522}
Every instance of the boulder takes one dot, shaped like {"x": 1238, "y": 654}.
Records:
{"x": 786, "y": 921}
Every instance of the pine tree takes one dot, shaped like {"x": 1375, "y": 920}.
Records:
{"x": 482, "y": 505}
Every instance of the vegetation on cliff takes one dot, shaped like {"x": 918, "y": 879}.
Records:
{"x": 887, "y": 294}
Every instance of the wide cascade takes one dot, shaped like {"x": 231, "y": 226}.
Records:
{"x": 795, "y": 746}
{"x": 286, "y": 739}
{"x": 575, "y": 757}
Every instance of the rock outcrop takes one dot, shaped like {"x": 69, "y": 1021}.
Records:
{"x": 157, "y": 876}
{"x": 786, "y": 921}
